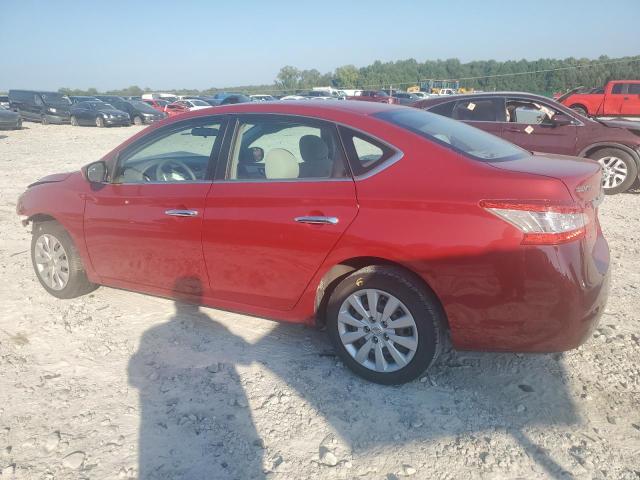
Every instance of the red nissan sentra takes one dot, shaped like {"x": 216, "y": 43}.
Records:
{"x": 388, "y": 225}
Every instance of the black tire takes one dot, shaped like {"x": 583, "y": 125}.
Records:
{"x": 422, "y": 304}
{"x": 74, "y": 121}
{"x": 99, "y": 121}
{"x": 580, "y": 109}
{"x": 137, "y": 120}
{"x": 44, "y": 120}
{"x": 77, "y": 284}
{"x": 629, "y": 161}
{"x": 19, "y": 124}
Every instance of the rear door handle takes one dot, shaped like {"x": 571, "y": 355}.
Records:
{"x": 181, "y": 213}
{"x": 314, "y": 220}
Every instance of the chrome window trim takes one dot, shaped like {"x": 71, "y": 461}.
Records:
{"x": 397, "y": 156}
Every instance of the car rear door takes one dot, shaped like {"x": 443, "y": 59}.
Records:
{"x": 485, "y": 113}
{"x": 530, "y": 127}
{"x": 270, "y": 222}
{"x": 144, "y": 228}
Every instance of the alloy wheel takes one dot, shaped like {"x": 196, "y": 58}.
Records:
{"x": 52, "y": 262}
{"x": 614, "y": 171}
{"x": 377, "y": 330}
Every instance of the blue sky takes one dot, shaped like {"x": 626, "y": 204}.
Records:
{"x": 201, "y": 44}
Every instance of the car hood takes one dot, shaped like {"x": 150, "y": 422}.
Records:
{"x": 56, "y": 177}
{"x": 620, "y": 123}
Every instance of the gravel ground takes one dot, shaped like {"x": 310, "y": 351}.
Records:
{"x": 121, "y": 385}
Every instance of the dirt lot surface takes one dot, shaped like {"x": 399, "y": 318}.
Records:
{"x": 121, "y": 385}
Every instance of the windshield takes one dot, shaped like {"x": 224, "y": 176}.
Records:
{"x": 456, "y": 135}
{"x": 102, "y": 106}
{"x": 143, "y": 107}
{"x": 57, "y": 98}
{"x": 199, "y": 103}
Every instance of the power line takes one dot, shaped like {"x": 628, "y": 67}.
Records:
{"x": 480, "y": 77}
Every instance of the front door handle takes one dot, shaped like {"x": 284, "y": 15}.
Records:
{"x": 181, "y": 213}
{"x": 315, "y": 220}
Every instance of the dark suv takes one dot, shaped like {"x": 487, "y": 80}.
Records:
{"x": 37, "y": 106}
{"x": 540, "y": 124}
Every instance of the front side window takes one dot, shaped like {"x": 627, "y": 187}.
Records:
{"x": 180, "y": 155}
{"x": 528, "y": 112}
{"x": 458, "y": 136}
{"x": 284, "y": 148}
{"x": 617, "y": 88}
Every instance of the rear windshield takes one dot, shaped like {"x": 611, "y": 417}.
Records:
{"x": 456, "y": 135}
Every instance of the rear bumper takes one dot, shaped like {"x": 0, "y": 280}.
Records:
{"x": 541, "y": 299}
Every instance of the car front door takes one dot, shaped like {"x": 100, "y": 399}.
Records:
{"x": 144, "y": 228}
{"x": 276, "y": 210}
{"x": 529, "y": 126}
{"x": 613, "y": 101}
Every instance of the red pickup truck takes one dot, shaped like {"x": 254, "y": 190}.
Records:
{"x": 619, "y": 98}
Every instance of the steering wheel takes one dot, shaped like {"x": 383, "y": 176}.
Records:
{"x": 178, "y": 167}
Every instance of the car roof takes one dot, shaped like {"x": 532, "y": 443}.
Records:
{"x": 306, "y": 107}
{"x": 449, "y": 98}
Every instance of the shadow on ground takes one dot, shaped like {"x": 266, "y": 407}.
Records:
{"x": 188, "y": 385}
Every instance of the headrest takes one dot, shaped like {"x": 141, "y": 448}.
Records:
{"x": 280, "y": 163}
{"x": 246, "y": 155}
{"x": 313, "y": 149}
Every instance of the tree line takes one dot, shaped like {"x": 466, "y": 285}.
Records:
{"x": 544, "y": 76}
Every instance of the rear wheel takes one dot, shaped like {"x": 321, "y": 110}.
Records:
{"x": 19, "y": 124}
{"x": 74, "y": 121}
{"x": 137, "y": 120}
{"x": 619, "y": 169}
{"x": 57, "y": 263}
{"x": 385, "y": 326}
{"x": 580, "y": 109}
{"x": 99, "y": 121}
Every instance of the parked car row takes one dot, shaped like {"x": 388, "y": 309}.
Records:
{"x": 98, "y": 110}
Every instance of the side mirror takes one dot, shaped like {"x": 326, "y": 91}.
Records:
{"x": 561, "y": 120}
{"x": 96, "y": 172}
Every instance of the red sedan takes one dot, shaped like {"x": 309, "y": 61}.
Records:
{"x": 386, "y": 224}
{"x": 176, "y": 108}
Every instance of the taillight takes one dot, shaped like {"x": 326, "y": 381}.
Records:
{"x": 541, "y": 224}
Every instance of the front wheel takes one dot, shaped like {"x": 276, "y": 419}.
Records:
{"x": 580, "y": 109}
{"x": 385, "y": 325}
{"x": 619, "y": 169}
{"x": 74, "y": 121}
{"x": 138, "y": 120}
{"x": 57, "y": 263}
{"x": 99, "y": 121}
{"x": 44, "y": 120}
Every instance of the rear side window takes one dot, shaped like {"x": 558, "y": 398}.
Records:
{"x": 634, "y": 88}
{"x": 478, "y": 110}
{"x": 455, "y": 135}
{"x": 365, "y": 153}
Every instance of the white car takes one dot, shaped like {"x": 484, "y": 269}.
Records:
{"x": 294, "y": 97}
{"x": 423, "y": 95}
{"x": 262, "y": 98}
{"x": 194, "y": 104}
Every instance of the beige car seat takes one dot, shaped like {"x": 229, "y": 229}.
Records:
{"x": 281, "y": 163}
